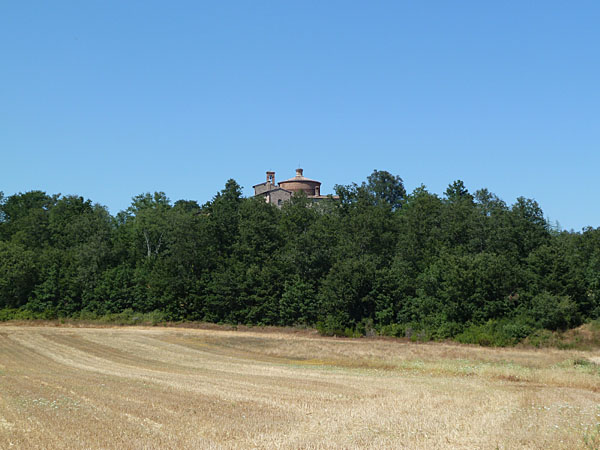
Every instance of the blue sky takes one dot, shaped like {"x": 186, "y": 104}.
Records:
{"x": 109, "y": 99}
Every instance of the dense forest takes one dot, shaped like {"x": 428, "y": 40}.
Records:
{"x": 377, "y": 260}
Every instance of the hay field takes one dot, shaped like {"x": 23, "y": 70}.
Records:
{"x": 183, "y": 388}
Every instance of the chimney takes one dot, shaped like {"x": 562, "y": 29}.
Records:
{"x": 299, "y": 172}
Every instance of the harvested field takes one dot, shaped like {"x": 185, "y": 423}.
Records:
{"x": 183, "y": 388}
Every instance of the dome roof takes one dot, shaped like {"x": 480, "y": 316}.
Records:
{"x": 301, "y": 183}
{"x": 300, "y": 178}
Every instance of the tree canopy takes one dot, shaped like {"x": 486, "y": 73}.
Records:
{"x": 378, "y": 258}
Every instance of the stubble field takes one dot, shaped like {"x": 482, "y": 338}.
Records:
{"x": 184, "y": 388}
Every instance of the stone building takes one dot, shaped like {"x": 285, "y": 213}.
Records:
{"x": 276, "y": 194}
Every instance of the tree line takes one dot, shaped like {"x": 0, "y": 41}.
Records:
{"x": 461, "y": 265}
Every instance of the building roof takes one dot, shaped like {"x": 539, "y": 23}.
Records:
{"x": 273, "y": 190}
{"x": 300, "y": 177}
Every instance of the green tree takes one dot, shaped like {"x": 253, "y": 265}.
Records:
{"x": 223, "y": 218}
{"x": 459, "y": 219}
{"x": 18, "y": 275}
{"x": 386, "y": 188}
{"x": 346, "y": 292}
{"x": 148, "y": 219}
{"x": 25, "y": 218}
{"x": 381, "y": 188}
{"x": 419, "y": 229}
{"x": 528, "y": 227}
{"x": 471, "y": 287}
{"x": 298, "y": 304}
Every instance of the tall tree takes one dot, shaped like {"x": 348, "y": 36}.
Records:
{"x": 25, "y": 218}
{"x": 386, "y": 188}
{"x": 148, "y": 220}
{"x": 18, "y": 275}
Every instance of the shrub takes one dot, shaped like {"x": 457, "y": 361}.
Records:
{"x": 595, "y": 325}
{"x": 554, "y": 312}
{"x": 393, "y": 329}
{"x": 333, "y": 326}
{"x": 87, "y": 315}
{"x": 495, "y": 333}
{"x": 26, "y": 314}
{"x": 7, "y": 314}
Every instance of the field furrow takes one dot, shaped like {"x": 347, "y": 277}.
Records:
{"x": 181, "y": 388}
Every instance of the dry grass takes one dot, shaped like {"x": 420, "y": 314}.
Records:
{"x": 182, "y": 388}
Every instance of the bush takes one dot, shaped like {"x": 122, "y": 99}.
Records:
{"x": 595, "y": 325}
{"x": 554, "y": 312}
{"x": 130, "y": 317}
{"x": 365, "y": 328}
{"x": 417, "y": 331}
{"x": 393, "y": 329}
{"x": 155, "y": 317}
{"x": 446, "y": 330}
{"x": 7, "y": 314}
{"x": 543, "y": 338}
{"x": 26, "y": 314}
{"x": 495, "y": 333}
{"x": 87, "y": 315}
{"x": 333, "y": 326}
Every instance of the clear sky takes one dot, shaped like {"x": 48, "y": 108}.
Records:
{"x": 109, "y": 99}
